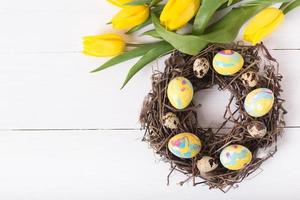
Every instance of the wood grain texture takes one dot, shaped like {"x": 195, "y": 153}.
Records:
{"x": 56, "y": 91}
{"x": 45, "y": 81}
{"x": 89, "y": 165}
{"x": 45, "y": 84}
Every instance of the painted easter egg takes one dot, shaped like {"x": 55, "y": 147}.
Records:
{"x": 228, "y": 62}
{"x": 235, "y": 157}
{"x": 180, "y": 92}
{"x": 259, "y": 102}
{"x": 185, "y": 145}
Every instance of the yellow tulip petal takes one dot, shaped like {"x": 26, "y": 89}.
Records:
{"x": 267, "y": 30}
{"x": 119, "y": 3}
{"x": 130, "y": 16}
{"x": 178, "y": 13}
{"x": 263, "y": 24}
{"x": 103, "y": 45}
{"x": 186, "y": 15}
{"x": 167, "y": 11}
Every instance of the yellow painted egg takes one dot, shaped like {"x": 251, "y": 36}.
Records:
{"x": 180, "y": 92}
{"x": 259, "y": 102}
{"x": 185, "y": 145}
{"x": 228, "y": 62}
{"x": 235, "y": 157}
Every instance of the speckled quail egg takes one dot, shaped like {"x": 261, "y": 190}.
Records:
{"x": 249, "y": 79}
{"x": 257, "y": 129}
{"x": 170, "y": 120}
{"x": 206, "y": 164}
{"x": 201, "y": 67}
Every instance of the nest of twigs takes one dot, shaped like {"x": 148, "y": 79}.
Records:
{"x": 214, "y": 139}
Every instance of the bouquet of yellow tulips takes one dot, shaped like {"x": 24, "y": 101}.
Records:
{"x": 165, "y": 19}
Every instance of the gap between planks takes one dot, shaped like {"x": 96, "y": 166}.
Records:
{"x": 98, "y": 129}
{"x": 79, "y": 52}
{"x": 93, "y": 129}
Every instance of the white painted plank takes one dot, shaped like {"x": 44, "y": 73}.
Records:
{"x": 44, "y": 80}
{"x": 57, "y": 26}
{"x": 117, "y": 165}
{"x": 56, "y": 91}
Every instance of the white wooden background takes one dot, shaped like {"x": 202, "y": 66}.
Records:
{"x": 68, "y": 134}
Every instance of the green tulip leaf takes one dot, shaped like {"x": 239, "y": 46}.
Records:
{"x": 207, "y": 9}
{"x": 139, "y": 2}
{"x": 204, "y": 14}
{"x": 188, "y": 44}
{"x": 263, "y": 2}
{"x": 154, "y": 2}
{"x": 136, "y": 52}
{"x": 229, "y": 2}
{"x": 139, "y": 27}
{"x": 143, "y": 2}
{"x": 223, "y": 31}
{"x": 226, "y": 29}
{"x": 150, "y": 56}
{"x": 152, "y": 33}
{"x": 287, "y": 7}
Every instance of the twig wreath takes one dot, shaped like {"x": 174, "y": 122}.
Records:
{"x": 199, "y": 35}
{"x": 221, "y": 157}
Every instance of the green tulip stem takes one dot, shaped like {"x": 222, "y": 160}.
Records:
{"x": 154, "y": 2}
{"x": 133, "y": 45}
{"x": 287, "y": 7}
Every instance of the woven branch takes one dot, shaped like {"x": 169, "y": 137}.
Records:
{"x": 156, "y": 104}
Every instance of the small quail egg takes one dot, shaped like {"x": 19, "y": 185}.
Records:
{"x": 201, "y": 67}
{"x": 206, "y": 164}
{"x": 257, "y": 129}
{"x": 170, "y": 120}
{"x": 249, "y": 79}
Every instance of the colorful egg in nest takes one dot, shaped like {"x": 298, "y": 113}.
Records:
{"x": 228, "y": 62}
{"x": 185, "y": 145}
{"x": 259, "y": 102}
{"x": 180, "y": 92}
{"x": 235, "y": 157}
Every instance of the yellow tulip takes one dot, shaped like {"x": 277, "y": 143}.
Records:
{"x": 177, "y": 13}
{"x": 263, "y": 24}
{"x": 103, "y": 45}
{"x": 119, "y": 3}
{"x": 130, "y": 16}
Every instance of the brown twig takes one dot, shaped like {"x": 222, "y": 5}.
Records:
{"x": 156, "y": 104}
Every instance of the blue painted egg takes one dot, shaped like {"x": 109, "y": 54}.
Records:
{"x": 235, "y": 157}
{"x": 228, "y": 62}
{"x": 259, "y": 102}
{"x": 184, "y": 145}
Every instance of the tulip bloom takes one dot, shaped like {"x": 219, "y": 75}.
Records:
{"x": 263, "y": 24}
{"x": 103, "y": 45}
{"x": 130, "y": 16}
{"x": 119, "y": 3}
{"x": 177, "y": 13}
